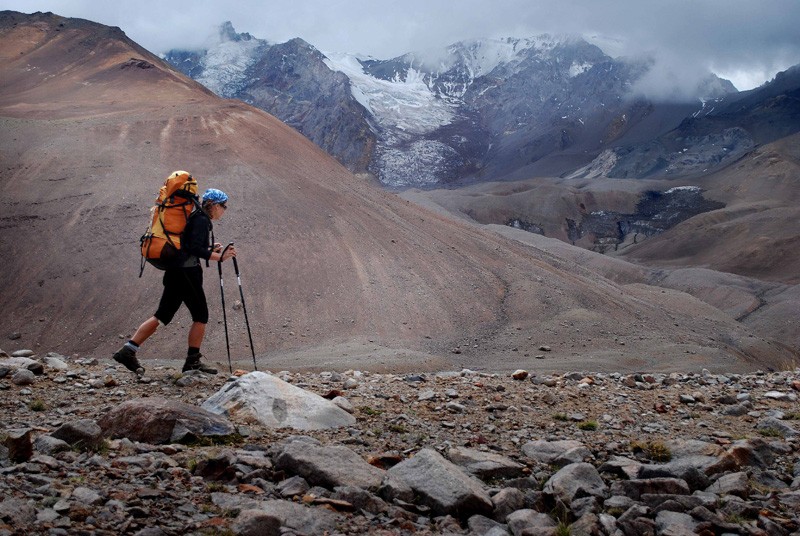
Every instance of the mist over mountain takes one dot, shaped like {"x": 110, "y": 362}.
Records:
{"x": 477, "y": 110}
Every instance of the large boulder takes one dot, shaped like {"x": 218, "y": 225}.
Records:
{"x": 559, "y": 453}
{"x": 267, "y": 517}
{"x": 276, "y": 404}
{"x": 485, "y": 465}
{"x": 442, "y": 485}
{"x": 575, "y": 481}
{"x": 83, "y": 434}
{"x": 158, "y": 420}
{"x": 328, "y": 466}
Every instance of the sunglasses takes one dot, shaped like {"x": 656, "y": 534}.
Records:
{"x": 223, "y": 205}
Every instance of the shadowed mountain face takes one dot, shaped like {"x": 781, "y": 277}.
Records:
{"x": 91, "y": 124}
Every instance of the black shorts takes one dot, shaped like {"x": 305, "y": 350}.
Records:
{"x": 183, "y": 285}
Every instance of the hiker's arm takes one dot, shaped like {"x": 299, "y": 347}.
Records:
{"x": 195, "y": 240}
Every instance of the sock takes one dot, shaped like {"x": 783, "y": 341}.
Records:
{"x": 132, "y": 345}
{"x": 193, "y": 351}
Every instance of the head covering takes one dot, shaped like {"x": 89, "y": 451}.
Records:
{"x": 213, "y": 195}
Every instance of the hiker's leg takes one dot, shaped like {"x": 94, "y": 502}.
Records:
{"x": 196, "y": 334}
{"x": 193, "y": 356}
{"x": 144, "y": 332}
{"x": 195, "y": 300}
{"x": 171, "y": 299}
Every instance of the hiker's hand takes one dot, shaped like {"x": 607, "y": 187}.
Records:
{"x": 217, "y": 247}
{"x": 229, "y": 252}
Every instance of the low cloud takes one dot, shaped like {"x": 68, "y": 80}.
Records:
{"x": 749, "y": 40}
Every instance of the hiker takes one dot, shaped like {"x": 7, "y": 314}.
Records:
{"x": 184, "y": 284}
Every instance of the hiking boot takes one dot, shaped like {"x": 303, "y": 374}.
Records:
{"x": 127, "y": 357}
{"x": 193, "y": 363}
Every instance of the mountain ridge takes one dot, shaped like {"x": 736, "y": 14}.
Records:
{"x": 433, "y": 120}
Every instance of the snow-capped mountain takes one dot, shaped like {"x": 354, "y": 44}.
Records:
{"x": 482, "y": 109}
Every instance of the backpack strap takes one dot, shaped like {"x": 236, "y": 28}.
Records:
{"x": 199, "y": 207}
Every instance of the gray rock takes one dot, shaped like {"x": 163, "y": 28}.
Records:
{"x": 54, "y": 363}
{"x": 771, "y": 424}
{"x": 158, "y": 420}
{"x": 791, "y": 500}
{"x": 228, "y": 501}
{"x": 276, "y": 404}
{"x": 635, "y": 522}
{"x": 654, "y": 486}
{"x": 485, "y": 465}
{"x": 621, "y": 466}
{"x": 428, "y": 394}
{"x": 393, "y": 489}
{"x": 46, "y": 444}
{"x": 150, "y": 531}
{"x": 15, "y": 363}
{"x": 695, "y": 470}
{"x": 752, "y": 452}
{"x": 327, "y": 466}
{"x": 776, "y": 395}
{"x": 17, "y": 512}
{"x": 48, "y": 515}
{"x": 560, "y": 453}
{"x": 506, "y": 501}
{"x": 731, "y": 484}
{"x": 190, "y": 378}
{"x": 675, "y": 524}
{"x": 292, "y": 486}
{"x": 588, "y": 524}
{"x": 609, "y": 523}
{"x": 37, "y": 368}
{"x": 575, "y": 481}
{"x": 86, "y": 496}
{"x": 585, "y": 505}
{"x": 622, "y": 502}
{"x": 19, "y": 445}
{"x": 343, "y": 403}
{"x": 483, "y": 526}
{"x": 299, "y": 518}
{"x": 82, "y": 434}
{"x": 455, "y": 407}
{"x": 23, "y": 377}
{"x": 23, "y": 353}
{"x": 736, "y": 410}
{"x": 531, "y": 523}
{"x": 361, "y": 499}
{"x": 442, "y": 485}
{"x": 673, "y": 503}
{"x": 256, "y": 523}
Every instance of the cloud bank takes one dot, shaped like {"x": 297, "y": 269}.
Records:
{"x": 747, "y": 41}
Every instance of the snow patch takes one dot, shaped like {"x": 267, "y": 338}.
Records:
{"x": 225, "y": 65}
{"x": 683, "y": 188}
{"x": 423, "y": 163}
{"x": 408, "y": 105}
{"x": 579, "y": 68}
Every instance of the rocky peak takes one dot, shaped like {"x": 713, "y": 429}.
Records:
{"x": 228, "y": 33}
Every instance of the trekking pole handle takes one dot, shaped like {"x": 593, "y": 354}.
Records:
{"x": 222, "y": 253}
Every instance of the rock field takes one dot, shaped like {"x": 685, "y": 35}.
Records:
{"x": 88, "y": 448}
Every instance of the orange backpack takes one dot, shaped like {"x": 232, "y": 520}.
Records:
{"x": 161, "y": 243}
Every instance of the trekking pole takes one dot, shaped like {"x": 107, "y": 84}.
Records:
{"x": 246, "y": 321}
{"x": 224, "y": 316}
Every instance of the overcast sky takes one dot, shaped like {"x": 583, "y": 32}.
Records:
{"x": 746, "y": 41}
